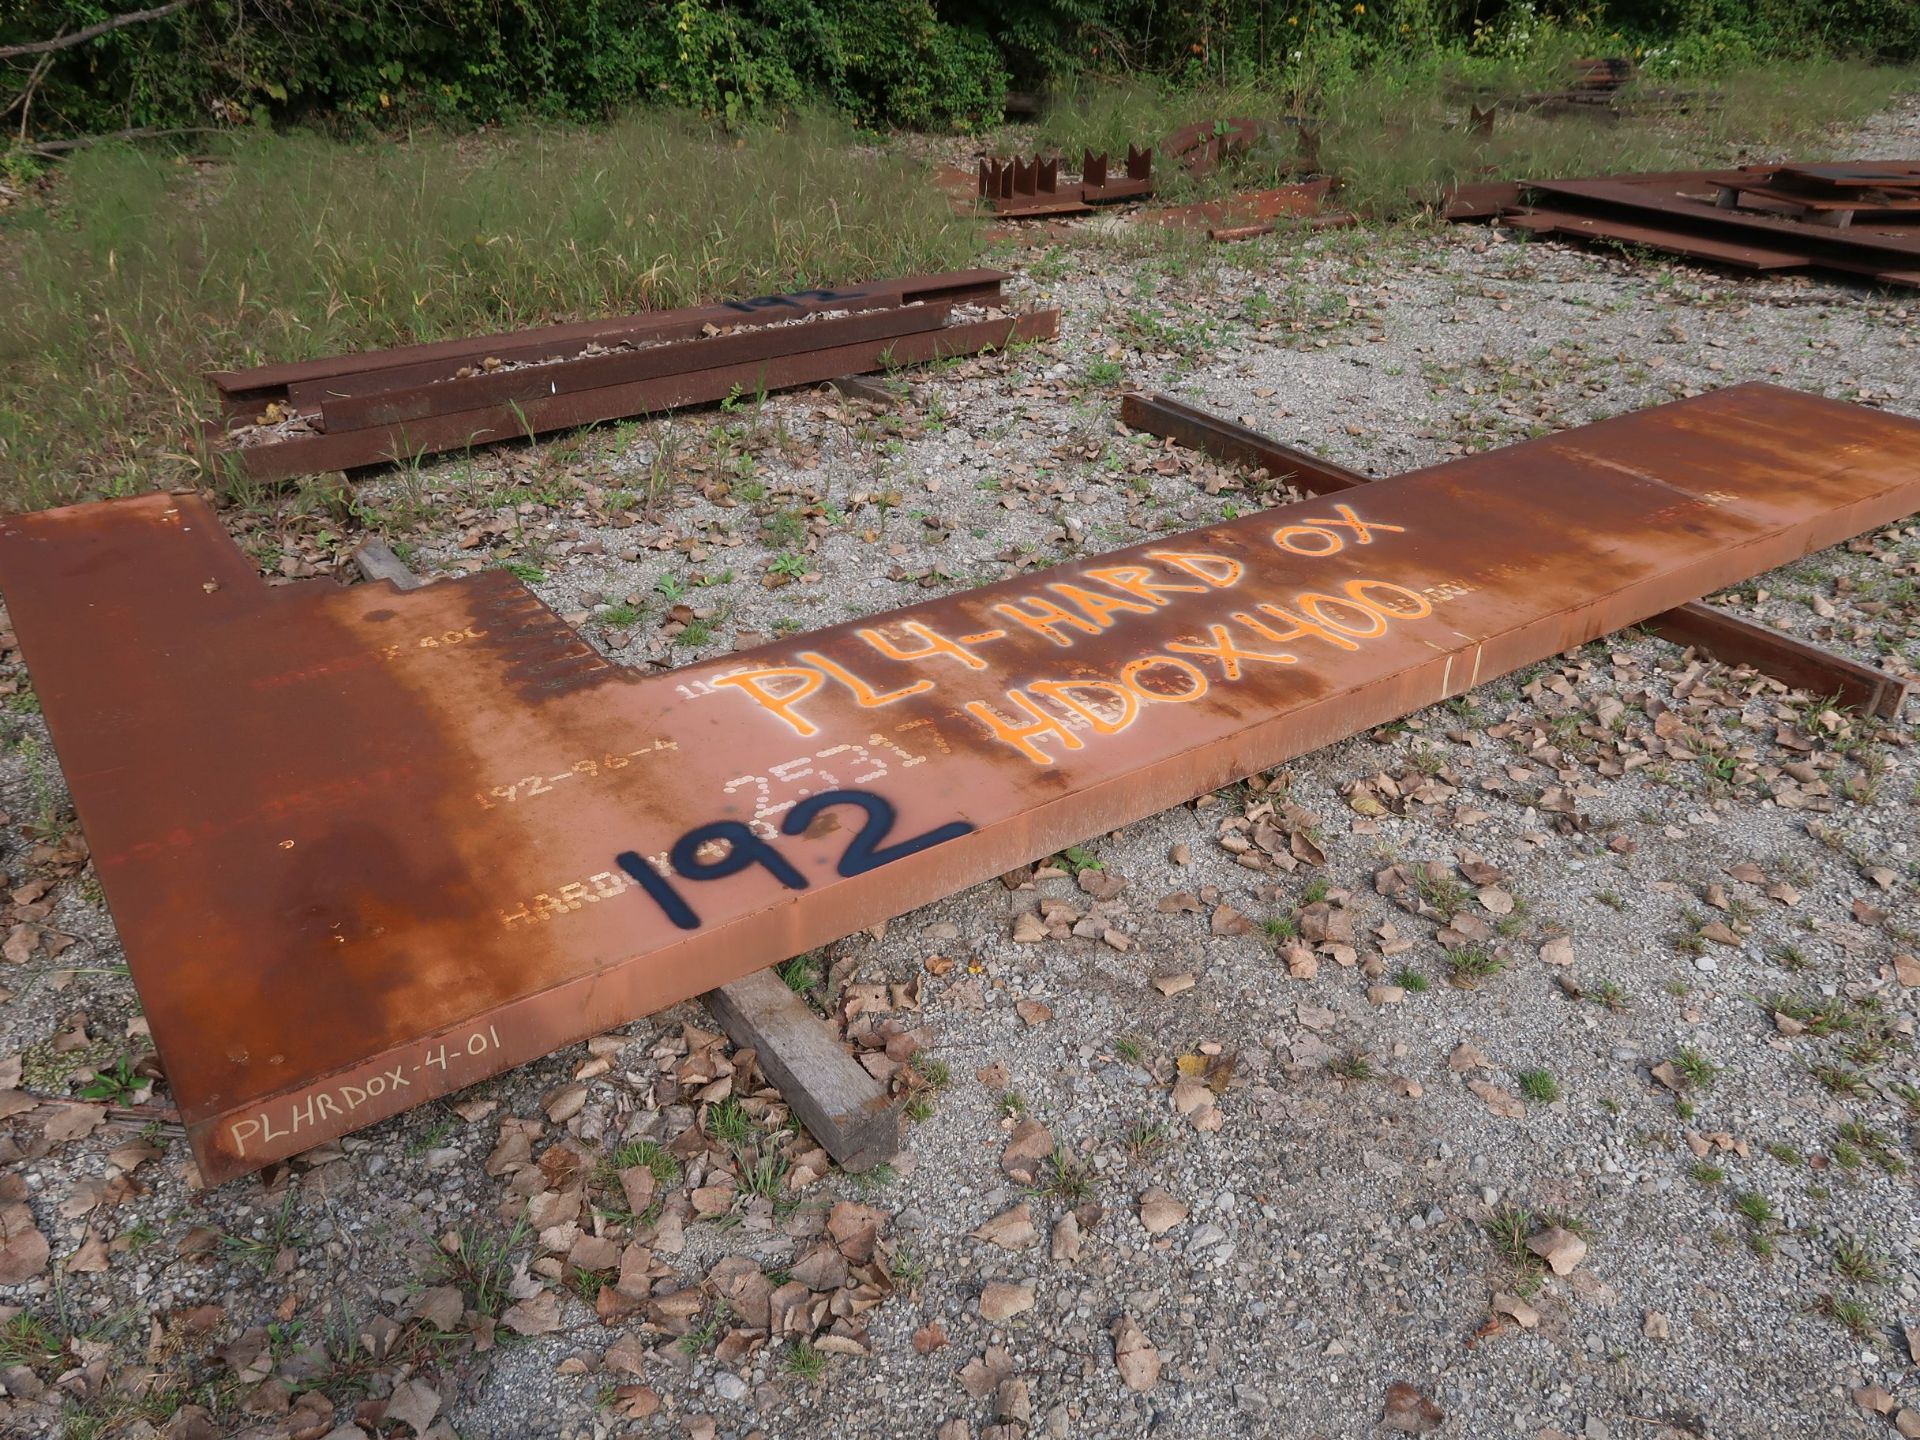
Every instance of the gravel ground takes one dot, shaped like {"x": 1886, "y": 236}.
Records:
{"x": 1307, "y": 1176}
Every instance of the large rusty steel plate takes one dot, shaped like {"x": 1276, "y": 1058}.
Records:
{"x": 366, "y": 846}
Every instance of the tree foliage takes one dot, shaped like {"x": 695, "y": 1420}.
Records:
{"x": 932, "y": 64}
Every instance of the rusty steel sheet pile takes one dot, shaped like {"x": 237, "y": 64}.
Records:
{"x": 368, "y": 846}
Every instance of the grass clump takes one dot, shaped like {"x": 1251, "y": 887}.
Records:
{"x": 1354, "y": 1066}
{"x": 1471, "y": 964}
{"x": 1539, "y": 1086}
{"x": 1839, "y": 1079}
{"x": 1143, "y": 1140}
{"x": 1856, "y": 1262}
{"x": 480, "y": 1263}
{"x": 1695, "y": 1068}
{"x": 806, "y": 1363}
{"x": 650, "y": 1153}
{"x": 1065, "y": 1179}
{"x": 1853, "y": 1317}
{"x": 1859, "y": 1136}
{"x": 26, "y": 1340}
{"x": 801, "y": 973}
{"x": 729, "y": 1123}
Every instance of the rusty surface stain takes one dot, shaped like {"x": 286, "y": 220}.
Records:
{"x": 367, "y": 846}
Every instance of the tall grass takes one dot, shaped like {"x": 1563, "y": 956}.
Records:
{"x": 147, "y": 271}
{"x": 1398, "y": 131}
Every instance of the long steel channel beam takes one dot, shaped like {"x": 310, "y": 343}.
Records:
{"x": 366, "y": 847}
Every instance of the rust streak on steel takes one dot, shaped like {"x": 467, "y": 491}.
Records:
{"x": 366, "y": 846}
{"x": 1716, "y": 633}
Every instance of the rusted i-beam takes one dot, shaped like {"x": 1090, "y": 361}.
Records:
{"x": 1726, "y": 638}
{"x": 366, "y": 846}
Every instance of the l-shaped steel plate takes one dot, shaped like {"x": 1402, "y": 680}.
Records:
{"x": 366, "y": 847}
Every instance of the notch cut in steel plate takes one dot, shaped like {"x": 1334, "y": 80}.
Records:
{"x": 366, "y": 847}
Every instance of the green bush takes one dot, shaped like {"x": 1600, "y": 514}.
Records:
{"x": 930, "y": 64}
{"x": 387, "y": 62}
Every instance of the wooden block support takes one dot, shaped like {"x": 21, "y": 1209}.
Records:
{"x": 376, "y": 561}
{"x": 856, "y": 387}
{"x": 848, "y": 1111}
{"x": 1726, "y": 638}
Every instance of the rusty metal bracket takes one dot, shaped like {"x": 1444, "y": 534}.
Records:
{"x": 1027, "y": 187}
{"x": 366, "y": 846}
{"x": 1727, "y": 638}
{"x": 1096, "y": 188}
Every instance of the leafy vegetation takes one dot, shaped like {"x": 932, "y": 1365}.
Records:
{"x": 392, "y": 62}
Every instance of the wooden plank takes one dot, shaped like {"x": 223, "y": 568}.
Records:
{"x": 843, "y": 1107}
{"x": 1727, "y": 638}
{"x": 376, "y": 561}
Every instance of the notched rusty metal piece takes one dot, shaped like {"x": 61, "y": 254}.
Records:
{"x": 367, "y": 846}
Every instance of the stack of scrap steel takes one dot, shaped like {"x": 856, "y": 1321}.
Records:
{"x": 1601, "y": 74}
{"x": 1023, "y": 188}
{"x": 391, "y": 405}
{"x": 1593, "y": 86}
{"x": 1202, "y": 146}
{"x": 1604, "y": 89}
{"x": 1856, "y": 218}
